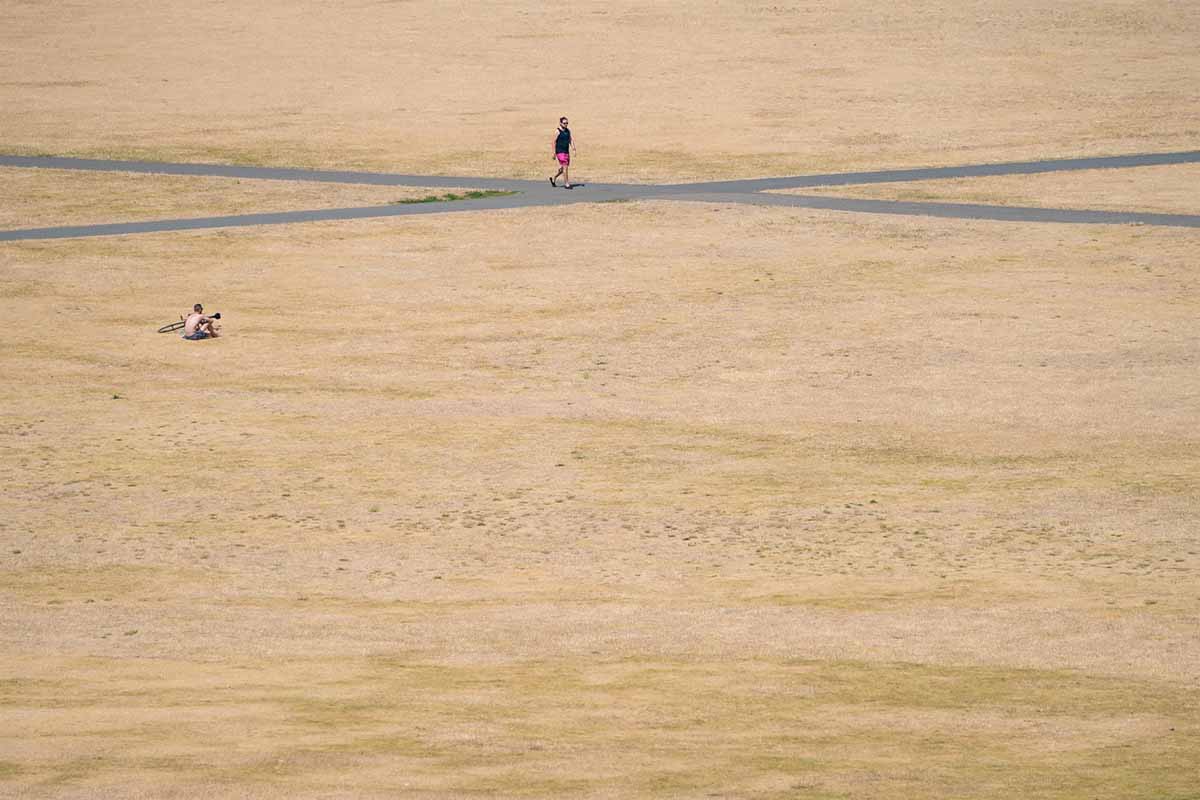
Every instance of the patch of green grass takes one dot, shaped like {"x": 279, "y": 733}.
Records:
{"x": 450, "y": 197}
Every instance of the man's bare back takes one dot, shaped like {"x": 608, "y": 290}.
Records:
{"x": 199, "y": 326}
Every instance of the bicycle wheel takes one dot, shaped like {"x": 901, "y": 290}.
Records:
{"x": 174, "y": 326}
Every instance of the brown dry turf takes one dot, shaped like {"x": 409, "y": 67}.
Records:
{"x": 1167, "y": 190}
{"x": 43, "y": 198}
{"x": 620, "y": 500}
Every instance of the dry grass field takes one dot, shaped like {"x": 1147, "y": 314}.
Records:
{"x": 1167, "y": 190}
{"x": 656, "y": 91}
{"x": 653, "y": 499}
{"x": 44, "y": 198}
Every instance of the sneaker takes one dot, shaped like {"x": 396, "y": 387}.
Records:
{"x": 552, "y": 183}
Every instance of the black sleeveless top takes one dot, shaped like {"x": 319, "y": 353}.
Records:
{"x": 563, "y": 143}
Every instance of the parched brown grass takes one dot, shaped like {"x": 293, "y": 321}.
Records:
{"x": 620, "y": 500}
{"x": 856, "y": 504}
{"x": 1167, "y": 190}
{"x": 815, "y": 728}
{"x": 655, "y": 92}
{"x": 51, "y": 197}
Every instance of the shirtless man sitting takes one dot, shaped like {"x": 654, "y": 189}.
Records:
{"x": 199, "y": 326}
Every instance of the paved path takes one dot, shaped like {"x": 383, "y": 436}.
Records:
{"x": 537, "y": 193}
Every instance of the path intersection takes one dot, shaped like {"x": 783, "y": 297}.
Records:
{"x": 526, "y": 194}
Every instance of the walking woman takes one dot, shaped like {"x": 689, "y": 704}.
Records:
{"x": 563, "y": 147}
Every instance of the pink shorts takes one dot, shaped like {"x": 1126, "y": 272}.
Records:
{"x": 563, "y": 158}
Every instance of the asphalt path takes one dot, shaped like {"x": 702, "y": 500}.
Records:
{"x": 940, "y": 173}
{"x": 537, "y": 193}
{"x": 953, "y": 210}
